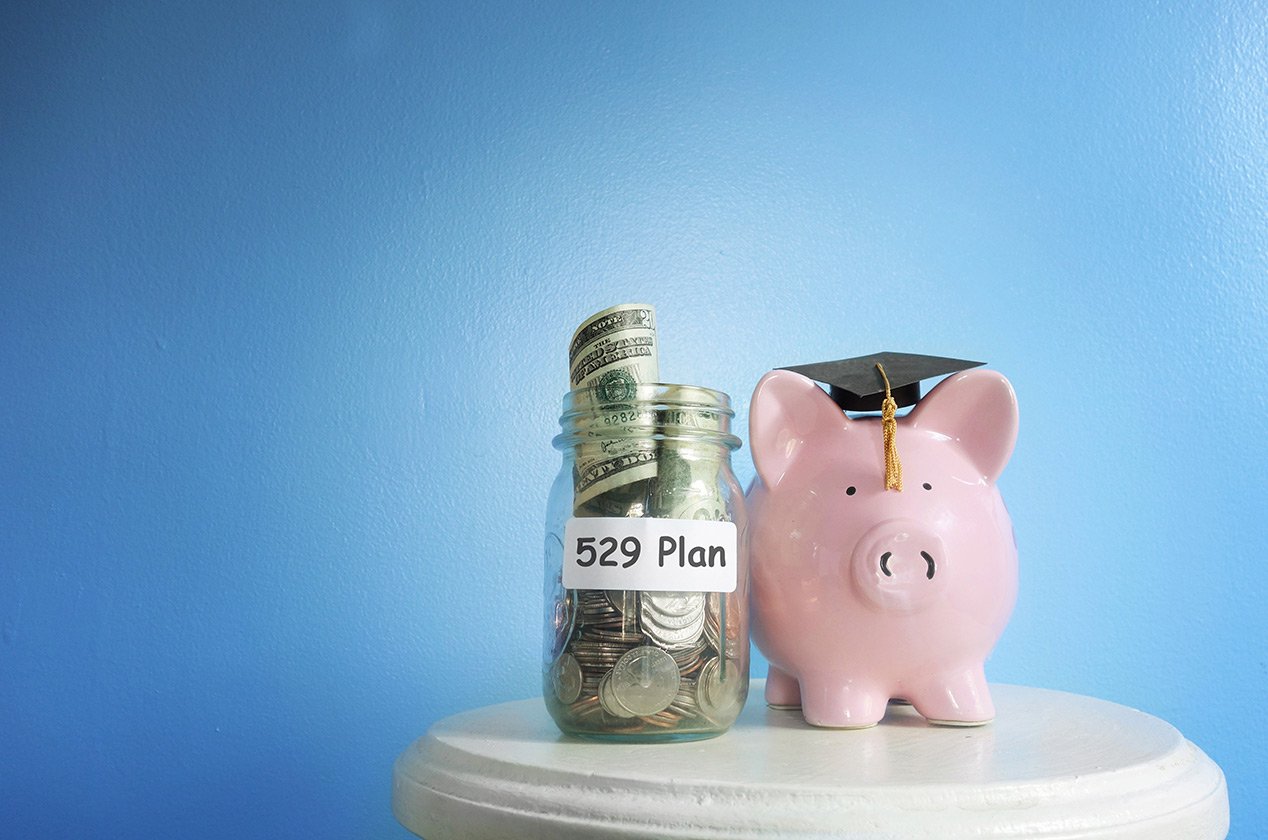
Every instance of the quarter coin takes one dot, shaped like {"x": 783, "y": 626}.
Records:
{"x": 565, "y": 676}
{"x": 645, "y": 680}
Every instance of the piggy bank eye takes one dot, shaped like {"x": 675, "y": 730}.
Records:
{"x": 850, "y": 491}
{"x": 927, "y": 486}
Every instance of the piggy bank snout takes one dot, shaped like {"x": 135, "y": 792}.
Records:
{"x": 899, "y": 565}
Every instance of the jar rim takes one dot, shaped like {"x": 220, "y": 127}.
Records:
{"x": 580, "y": 403}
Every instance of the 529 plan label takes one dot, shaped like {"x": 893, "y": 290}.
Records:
{"x": 684, "y": 555}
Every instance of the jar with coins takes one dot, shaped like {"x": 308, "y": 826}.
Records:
{"x": 646, "y": 567}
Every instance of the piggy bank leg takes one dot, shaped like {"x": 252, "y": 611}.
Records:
{"x": 958, "y": 698}
{"x": 838, "y": 702}
{"x": 782, "y": 690}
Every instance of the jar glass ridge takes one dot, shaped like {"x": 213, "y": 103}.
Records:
{"x": 645, "y": 664}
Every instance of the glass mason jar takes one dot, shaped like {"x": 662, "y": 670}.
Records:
{"x": 646, "y": 568}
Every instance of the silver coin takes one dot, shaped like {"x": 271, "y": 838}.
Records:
{"x": 674, "y": 638}
{"x": 564, "y": 619}
{"x": 565, "y": 676}
{"x": 687, "y": 657}
{"x": 645, "y": 680}
{"x": 718, "y": 689}
{"x": 673, "y": 622}
{"x": 671, "y": 604}
{"x": 673, "y": 619}
{"x": 624, "y": 601}
{"x": 608, "y": 701}
{"x": 649, "y": 611}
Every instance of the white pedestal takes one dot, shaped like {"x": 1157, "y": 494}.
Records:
{"x": 1052, "y": 765}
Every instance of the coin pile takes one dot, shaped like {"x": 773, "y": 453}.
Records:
{"x": 647, "y": 662}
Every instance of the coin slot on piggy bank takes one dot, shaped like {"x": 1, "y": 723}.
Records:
{"x": 869, "y": 584}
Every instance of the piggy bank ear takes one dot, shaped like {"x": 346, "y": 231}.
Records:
{"x": 978, "y": 409}
{"x": 788, "y": 417}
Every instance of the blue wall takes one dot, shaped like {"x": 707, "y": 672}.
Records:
{"x": 284, "y": 298}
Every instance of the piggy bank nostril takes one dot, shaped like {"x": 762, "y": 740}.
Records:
{"x": 928, "y": 558}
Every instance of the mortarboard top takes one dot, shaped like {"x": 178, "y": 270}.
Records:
{"x": 856, "y": 385}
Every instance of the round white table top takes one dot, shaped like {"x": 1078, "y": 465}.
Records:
{"x": 1051, "y": 765}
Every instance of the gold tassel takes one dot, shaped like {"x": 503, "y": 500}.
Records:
{"x": 889, "y": 428}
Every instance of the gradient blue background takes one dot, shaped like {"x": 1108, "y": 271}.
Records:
{"x": 284, "y": 297}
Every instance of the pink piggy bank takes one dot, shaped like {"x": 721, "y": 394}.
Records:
{"x": 862, "y": 594}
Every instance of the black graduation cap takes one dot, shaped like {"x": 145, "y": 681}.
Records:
{"x": 856, "y": 385}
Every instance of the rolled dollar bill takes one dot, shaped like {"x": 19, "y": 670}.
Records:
{"x": 687, "y": 484}
{"x": 613, "y": 351}
{"x": 611, "y": 354}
